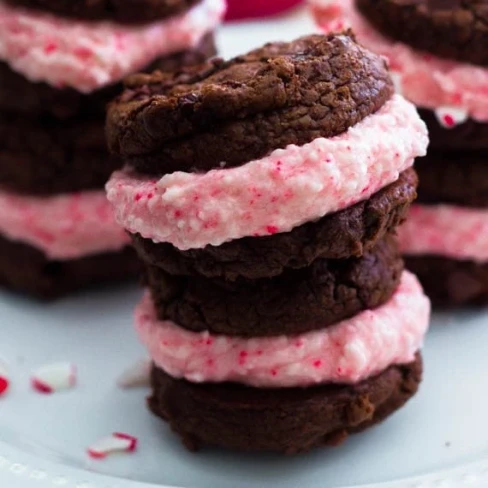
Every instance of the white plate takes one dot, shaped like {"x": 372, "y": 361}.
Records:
{"x": 440, "y": 439}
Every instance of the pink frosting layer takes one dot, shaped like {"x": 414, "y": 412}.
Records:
{"x": 347, "y": 352}
{"x": 445, "y": 230}
{"x": 274, "y": 194}
{"x": 65, "y": 226}
{"x": 90, "y": 55}
{"x": 426, "y": 80}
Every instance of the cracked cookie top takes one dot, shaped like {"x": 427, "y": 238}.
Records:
{"x": 235, "y": 111}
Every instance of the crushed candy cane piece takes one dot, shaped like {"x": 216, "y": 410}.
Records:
{"x": 4, "y": 378}
{"x": 136, "y": 375}
{"x": 450, "y": 117}
{"x": 117, "y": 442}
{"x": 54, "y": 377}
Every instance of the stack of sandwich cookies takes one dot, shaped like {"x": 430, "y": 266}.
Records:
{"x": 438, "y": 52}
{"x": 60, "y": 64}
{"x": 262, "y": 194}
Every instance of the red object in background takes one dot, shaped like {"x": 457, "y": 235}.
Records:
{"x": 246, "y": 9}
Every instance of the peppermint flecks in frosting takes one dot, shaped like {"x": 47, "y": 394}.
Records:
{"x": 63, "y": 227}
{"x": 425, "y": 79}
{"x": 429, "y": 230}
{"x": 345, "y": 353}
{"x": 89, "y": 55}
{"x": 286, "y": 189}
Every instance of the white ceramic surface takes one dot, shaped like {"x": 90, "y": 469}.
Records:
{"x": 439, "y": 440}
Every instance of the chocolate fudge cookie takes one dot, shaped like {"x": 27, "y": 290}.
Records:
{"x": 20, "y": 96}
{"x": 450, "y": 282}
{"x": 277, "y": 313}
{"x": 45, "y": 156}
{"x": 27, "y": 270}
{"x": 295, "y": 302}
{"x": 459, "y": 178}
{"x": 236, "y": 111}
{"x": 468, "y": 136}
{"x": 350, "y": 232}
{"x": 453, "y": 29}
{"x": 124, "y": 11}
{"x": 289, "y": 420}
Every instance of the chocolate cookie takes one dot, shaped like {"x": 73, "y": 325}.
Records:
{"x": 469, "y": 136}
{"x": 449, "y": 282}
{"x": 27, "y": 270}
{"x": 453, "y": 177}
{"x": 348, "y": 233}
{"x": 289, "y": 420}
{"x": 123, "y": 11}
{"x": 20, "y": 96}
{"x": 295, "y": 302}
{"x": 44, "y": 156}
{"x": 242, "y": 109}
{"x": 453, "y": 29}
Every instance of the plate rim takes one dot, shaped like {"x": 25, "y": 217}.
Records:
{"x": 36, "y": 472}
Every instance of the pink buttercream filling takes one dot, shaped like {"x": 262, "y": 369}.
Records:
{"x": 89, "y": 55}
{"x": 277, "y": 193}
{"x": 426, "y": 80}
{"x": 446, "y": 230}
{"x": 65, "y": 226}
{"x": 347, "y": 352}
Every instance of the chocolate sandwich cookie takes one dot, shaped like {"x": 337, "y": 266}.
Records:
{"x": 295, "y": 302}
{"x": 278, "y": 315}
{"x": 123, "y": 11}
{"x": 453, "y": 177}
{"x": 61, "y": 63}
{"x": 449, "y": 282}
{"x": 44, "y": 156}
{"x": 21, "y": 96}
{"x": 350, "y": 232}
{"x": 287, "y": 420}
{"x": 229, "y": 113}
{"x": 26, "y": 269}
{"x": 453, "y": 29}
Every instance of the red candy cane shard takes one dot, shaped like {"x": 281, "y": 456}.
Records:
{"x": 136, "y": 375}
{"x": 117, "y": 442}
{"x": 130, "y": 438}
{"x": 54, "y": 377}
{"x": 4, "y": 378}
{"x": 450, "y": 117}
